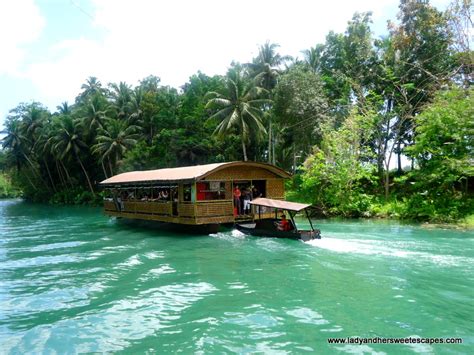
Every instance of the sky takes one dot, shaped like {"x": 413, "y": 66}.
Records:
{"x": 50, "y": 47}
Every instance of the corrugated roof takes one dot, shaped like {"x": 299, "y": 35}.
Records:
{"x": 186, "y": 173}
{"x": 284, "y": 205}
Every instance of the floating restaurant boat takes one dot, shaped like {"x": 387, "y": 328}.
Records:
{"x": 202, "y": 195}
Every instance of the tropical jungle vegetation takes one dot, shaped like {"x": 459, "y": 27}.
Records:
{"x": 369, "y": 126}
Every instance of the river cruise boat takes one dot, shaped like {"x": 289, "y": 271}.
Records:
{"x": 201, "y": 196}
{"x": 272, "y": 227}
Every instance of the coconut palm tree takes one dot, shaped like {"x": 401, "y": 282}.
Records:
{"x": 92, "y": 87}
{"x": 67, "y": 140}
{"x": 265, "y": 69}
{"x": 94, "y": 113}
{"x": 312, "y": 56}
{"x": 121, "y": 95}
{"x": 42, "y": 147}
{"x": 64, "y": 108}
{"x": 17, "y": 144}
{"x": 114, "y": 140}
{"x": 136, "y": 111}
{"x": 238, "y": 106}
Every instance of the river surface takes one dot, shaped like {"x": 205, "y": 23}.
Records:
{"x": 72, "y": 281}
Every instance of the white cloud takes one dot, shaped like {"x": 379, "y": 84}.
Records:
{"x": 20, "y": 24}
{"x": 175, "y": 39}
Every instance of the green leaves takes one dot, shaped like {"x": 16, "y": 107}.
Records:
{"x": 238, "y": 106}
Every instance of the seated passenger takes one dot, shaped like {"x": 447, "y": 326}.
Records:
{"x": 284, "y": 224}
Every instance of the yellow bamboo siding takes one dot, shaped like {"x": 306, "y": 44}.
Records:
{"x": 276, "y": 189}
{"x": 129, "y": 206}
{"x": 228, "y": 190}
{"x": 186, "y": 210}
{"x": 214, "y": 209}
{"x": 154, "y": 207}
{"x": 216, "y": 220}
{"x": 237, "y": 173}
{"x": 109, "y": 206}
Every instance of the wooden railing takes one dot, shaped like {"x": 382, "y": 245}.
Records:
{"x": 186, "y": 209}
{"x": 220, "y": 208}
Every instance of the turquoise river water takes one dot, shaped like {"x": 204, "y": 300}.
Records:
{"x": 73, "y": 281}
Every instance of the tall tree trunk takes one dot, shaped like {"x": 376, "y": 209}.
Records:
{"x": 270, "y": 141}
{"x": 110, "y": 167}
{"x": 103, "y": 168}
{"x": 244, "y": 150}
{"x": 399, "y": 158}
{"x": 60, "y": 174}
{"x": 85, "y": 173}
{"x": 273, "y": 149}
{"x": 68, "y": 177}
{"x": 35, "y": 171}
{"x": 49, "y": 174}
{"x": 294, "y": 158}
{"x": 30, "y": 181}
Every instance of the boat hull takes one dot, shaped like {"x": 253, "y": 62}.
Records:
{"x": 261, "y": 232}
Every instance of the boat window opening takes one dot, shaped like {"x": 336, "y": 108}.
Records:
{"x": 131, "y": 193}
{"x": 258, "y": 188}
{"x": 155, "y": 193}
{"x": 140, "y": 194}
{"x": 145, "y": 194}
{"x": 187, "y": 192}
{"x": 108, "y": 194}
{"x": 210, "y": 190}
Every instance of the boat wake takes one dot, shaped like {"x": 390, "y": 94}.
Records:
{"x": 381, "y": 248}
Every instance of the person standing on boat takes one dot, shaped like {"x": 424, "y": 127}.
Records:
{"x": 237, "y": 195}
{"x": 255, "y": 192}
{"x": 247, "y": 197}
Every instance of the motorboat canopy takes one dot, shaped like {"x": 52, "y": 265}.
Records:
{"x": 282, "y": 205}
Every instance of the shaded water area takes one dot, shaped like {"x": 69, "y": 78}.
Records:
{"x": 72, "y": 280}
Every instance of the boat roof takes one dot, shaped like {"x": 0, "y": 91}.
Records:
{"x": 185, "y": 173}
{"x": 283, "y": 205}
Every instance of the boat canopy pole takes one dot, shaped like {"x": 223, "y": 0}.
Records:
{"x": 309, "y": 219}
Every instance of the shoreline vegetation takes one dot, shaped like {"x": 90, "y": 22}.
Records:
{"x": 370, "y": 127}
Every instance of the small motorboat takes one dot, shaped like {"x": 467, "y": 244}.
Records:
{"x": 269, "y": 227}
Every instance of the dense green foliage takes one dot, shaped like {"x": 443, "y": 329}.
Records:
{"x": 344, "y": 119}
{"x": 6, "y": 188}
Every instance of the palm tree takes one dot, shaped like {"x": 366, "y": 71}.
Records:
{"x": 114, "y": 140}
{"x": 136, "y": 111}
{"x": 67, "y": 140}
{"x": 42, "y": 147}
{"x": 121, "y": 96}
{"x": 94, "y": 113}
{"x": 238, "y": 106}
{"x": 64, "y": 108}
{"x": 312, "y": 56}
{"x": 32, "y": 119}
{"x": 265, "y": 71}
{"x": 92, "y": 87}
{"x": 15, "y": 141}
{"x": 265, "y": 67}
